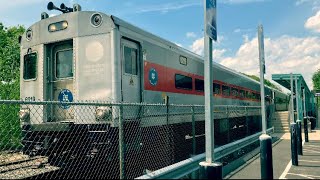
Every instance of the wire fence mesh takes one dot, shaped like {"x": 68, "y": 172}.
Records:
{"x": 109, "y": 140}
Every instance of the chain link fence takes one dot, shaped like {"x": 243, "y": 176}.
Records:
{"x": 109, "y": 140}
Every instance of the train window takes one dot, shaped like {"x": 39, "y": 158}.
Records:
{"x": 30, "y": 66}
{"x": 216, "y": 88}
{"x": 64, "y": 67}
{"x": 241, "y": 93}
{"x": 249, "y": 95}
{"x": 254, "y": 96}
{"x": 225, "y": 90}
{"x": 183, "y": 82}
{"x": 234, "y": 92}
{"x": 199, "y": 85}
{"x": 130, "y": 58}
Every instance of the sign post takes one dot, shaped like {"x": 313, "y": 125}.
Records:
{"x": 209, "y": 169}
{"x": 265, "y": 140}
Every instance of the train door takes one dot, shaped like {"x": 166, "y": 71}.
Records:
{"x": 130, "y": 72}
{"x": 61, "y": 75}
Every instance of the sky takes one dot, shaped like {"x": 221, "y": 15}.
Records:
{"x": 291, "y": 28}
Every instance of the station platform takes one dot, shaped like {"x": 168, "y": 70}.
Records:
{"x": 308, "y": 163}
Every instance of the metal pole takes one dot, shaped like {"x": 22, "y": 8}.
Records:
{"x": 305, "y": 118}
{"x": 265, "y": 140}
{"x": 209, "y": 169}
{"x": 292, "y": 105}
{"x": 298, "y": 121}
{"x": 293, "y": 133}
{"x": 121, "y": 144}
{"x": 297, "y": 98}
{"x": 262, "y": 69}
{"x": 304, "y": 103}
{"x": 209, "y": 123}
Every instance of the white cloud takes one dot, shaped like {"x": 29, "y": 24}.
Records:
{"x": 217, "y": 54}
{"x": 313, "y": 22}
{"x": 191, "y": 35}
{"x": 241, "y": 1}
{"x": 315, "y": 3}
{"x": 164, "y": 8}
{"x": 245, "y": 37}
{"x": 198, "y": 45}
{"x": 238, "y": 30}
{"x": 282, "y": 55}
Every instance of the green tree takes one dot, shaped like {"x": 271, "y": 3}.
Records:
{"x": 10, "y": 133}
{"x": 10, "y": 52}
{"x": 316, "y": 80}
{"x": 316, "y": 83}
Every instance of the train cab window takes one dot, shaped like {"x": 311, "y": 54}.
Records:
{"x": 199, "y": 85}
{"x": 130, "y": 59}
{"x": 64, "y": 67}
{"x": 225, "y": 90}
{"x": 241, "y": 93}
{"x": 30, "y": 66}
{"x": 216, "y": 88}
{"x": 183, "y": 82}
{"x": 234, "y": 92}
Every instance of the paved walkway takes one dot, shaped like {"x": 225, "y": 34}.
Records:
{"x": 309, "y": 162}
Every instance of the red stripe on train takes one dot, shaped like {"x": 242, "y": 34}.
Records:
{"x": 166, "y": 81}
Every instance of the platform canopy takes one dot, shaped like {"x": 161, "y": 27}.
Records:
{"x": 301, "y": 88}
{"x": 284, "y": 80}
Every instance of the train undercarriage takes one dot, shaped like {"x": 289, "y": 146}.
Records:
{"x": 94, "y": 148}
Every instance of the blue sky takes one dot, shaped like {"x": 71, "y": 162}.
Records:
{"x": 291, "y": 28}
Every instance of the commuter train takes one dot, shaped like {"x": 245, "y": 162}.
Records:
{"x": 91, "y": 56}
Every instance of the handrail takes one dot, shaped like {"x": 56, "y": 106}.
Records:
{"x": 183, "y": 168}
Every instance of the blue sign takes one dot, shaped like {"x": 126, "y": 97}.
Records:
{"x": 65, "y": 95}
{"x": 153, "y": 77}
{"x": 211, "y": 24}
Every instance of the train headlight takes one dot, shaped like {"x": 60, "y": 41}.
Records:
{"x": 96, "y": 20}
{"x": 24, "y": 115}
{"x": 58, "y": 26}
{"x": 29, "y": 34}
{"x": 103, "y": 113}
{"x": 52, "y": 27}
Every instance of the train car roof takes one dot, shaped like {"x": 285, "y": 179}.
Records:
{"x": 197, "y": 57}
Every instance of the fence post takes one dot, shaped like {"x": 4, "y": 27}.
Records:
{"x": 228, "y": 120}
{"x": 193, "y": 132}
{"x": 121, "y": 143}
{"x": 247, "y": 123}
{"x": 195, "y": 174}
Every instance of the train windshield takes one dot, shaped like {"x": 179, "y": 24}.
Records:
{"x": 30, "y": 66}
{"x": 64, "y": 64}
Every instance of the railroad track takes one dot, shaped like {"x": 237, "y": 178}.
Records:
{"x": 15, "y": 165}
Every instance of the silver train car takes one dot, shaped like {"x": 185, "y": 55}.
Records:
{"x": 84, "y": 55}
